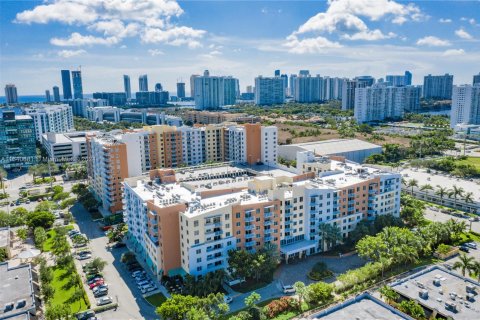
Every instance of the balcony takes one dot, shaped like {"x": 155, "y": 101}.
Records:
{"x": 249, "y": 235}
{"x": 249, "y": 219}
{"x": 268, "y": 238}
{"x": 268, "y": 231}
{"x": 213, "y": 224}
{"x": 268, "y": 223}
{"x": 268, "y": 214}
{"x": 250, "y": 227}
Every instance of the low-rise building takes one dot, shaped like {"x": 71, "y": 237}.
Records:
{"x": 66, "y": 147}
{"x": 443, "y": 293}
{"x": 17, "y": 296}
{"x": 5, "y": 240}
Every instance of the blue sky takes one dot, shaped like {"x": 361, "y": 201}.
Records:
{"x": 171, "y": 40}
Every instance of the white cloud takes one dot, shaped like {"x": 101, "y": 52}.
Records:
{"x": 110, "y": 21}
{"x": 432, "y": 41}
{"x": 70, "y": 53}
{"x": 309, "y": 45}
{"x": 155, "y": 52}
{"x": 369, "y": 35}
{"x": 175, "y": 36}
{"x": 463, "y": 34}
{"x": 472, "y": 21}
{"x": 78, "y": 40}
{"x": 453, "y": 52}
{"x": 444, "y": 20}
{"x": 347, "y": 18}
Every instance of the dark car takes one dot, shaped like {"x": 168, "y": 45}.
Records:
{"x": 464, "y": 248}
{"x": 119, "y": 245}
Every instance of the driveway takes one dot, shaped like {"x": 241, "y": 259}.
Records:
{"x": 288, "y": 274}
{"x": 273, "y": 290}
{"x": 121, "y": 285}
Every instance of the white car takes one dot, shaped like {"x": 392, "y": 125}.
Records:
{"x": 227, "y": 299}
{"x": 84, "y": 256}
{"x": 288, "y": 289}
{"x": 138, "y": 273}
{"x": 472, "y": 245}
{"x": 104, "y": 300}
{"x": 148, "y": 288}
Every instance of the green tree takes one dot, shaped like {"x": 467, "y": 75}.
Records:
{"x": 475, "y": 268}
{"x": 412, "y": 183}
{"x": 3, "y": 175}
{"x": 47, "y": 292}
{"x": 252, "y": 299}
{"x": 80, "y": 189}
{"x": 426, "y": 187}
{"x": 464, "y": 264}
{"x": 456, "y": 192}
{"x": 76, "y": 296}
{"x": 58, "y": 312}
{"x": 320, "y": 292}
{"x": 22, "y": 233}
{"x": 3, "y": 254}
{"x": 42, "y": 219}
{"x": 412, "y": 308}
{"x": 441, "y": 192}
{"x": 468, "y": 197}
{"x": 302, "y": 291}
{"x": 330, "y": 235}
{"x": 46, "y": 206}
{"x": 389, "y": 294}
{"x": 98, "y": 264}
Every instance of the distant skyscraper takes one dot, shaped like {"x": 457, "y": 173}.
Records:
{"x": 181, "y": 90}
{"x": 192, "y": 84}
{"x": 269, "y": 90}
{"x": 348, "y": 94}
{"x": 408, "y": 78}
{"x": 249, "y": 89}
{"x": 364, "y": 81}
{"x": 304, "y": 73}
{"x": 213, "y": 92}
{"x": 11, "y": 93}
{"x": 465, "y": 105}
{"x": 476, "y": 79}
{"x": 158, "y": 87}
{"x": 309, "y": 89}
{"x": 285, "y": 82}
{"x": 47, "y": 96}
{"x": 438, "y": 87}
{"x": 126, "y": 86}
{"x": 292, "y": 84}
{"x": 143, "y": 83}
{"x": 77, "y": 84}
{"x": 56, "y": 94}
{"x": 66, "y": 85}
{"x": 277, "y": 73}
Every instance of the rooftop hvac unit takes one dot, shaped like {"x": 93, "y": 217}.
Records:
{"x": 451, "y": 306}
{"x": 437, "y": 282}
{"x": 471, "y": 288}
{"x": 423, "y": 294}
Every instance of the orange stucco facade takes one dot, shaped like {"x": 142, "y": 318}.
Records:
{"x": 253, "y": 134}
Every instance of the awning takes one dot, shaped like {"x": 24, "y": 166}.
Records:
{"x": 177, "y": 272}
{"x": 296, "y": 247}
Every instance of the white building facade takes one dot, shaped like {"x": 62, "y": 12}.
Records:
{"x": 50, "y": 118}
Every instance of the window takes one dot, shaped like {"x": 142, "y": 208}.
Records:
{"x": 199, "y": 251}
{"x": 197, "y": 241}
{"x": 195, "y": 223}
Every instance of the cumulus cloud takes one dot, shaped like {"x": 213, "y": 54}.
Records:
{"x": 175, "y": 36}
{"x": 70, "y": 53}
{"x": 76, "y": 40}
{"x": 432, "y": 41}
{"x": 453, "y": 52}
{"x": 463, "y": 34}
{"x": 309, "y": 45}
{"x": 155, "y": 52}
{"x": 444, "y": 20}
{"x": 110, "y": 21}
{"x": 348, "y": 19}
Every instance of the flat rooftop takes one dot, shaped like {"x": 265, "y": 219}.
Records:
{"x": 208, "y": 172}
{"x": 16, "y": 287}
{"x": 334, "y": 146}
{"x": 4, "y": 237}
{"x": 451, "y": 288}
{"x": 362, "y": 307}
{"x": 442, "y": 179}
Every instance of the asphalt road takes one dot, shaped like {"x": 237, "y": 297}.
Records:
{"x": 121, "y": 285}
{"x": 443, "y": 217}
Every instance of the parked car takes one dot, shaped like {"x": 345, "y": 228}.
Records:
{"x": 142, "y": 282}
{"x": 119, "y": 245}
{"x": 104, "y": 300}
{"x": 87, "y": 315}
{"x": 105, "y": 228}
{"x": 100, "y": 293}
{"x": 84, "y": 256}
{"x": 464, "y": 248}
{"x": 94, "y": 280}
{"x": 471, "y": 245}
{"x": 227, "y": 299}
{"x": 287, "y": 289}
{"x": 138, "y": 272}
{"x": 103, "y": 286}
{"x": 93, "y": 276}
{"x": 96, "y": 284}
{"x": 148, "y": 288}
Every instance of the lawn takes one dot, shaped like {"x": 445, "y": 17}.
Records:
{"x": 156, "y": 299}
{"x": 249, "y": 285}
{"x": 62, "y": 295}
{"x": 47, "y": 246}
{"x": 471, "y": 160}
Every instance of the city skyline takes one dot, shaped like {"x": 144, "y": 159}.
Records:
{"x": 173, "y": 40}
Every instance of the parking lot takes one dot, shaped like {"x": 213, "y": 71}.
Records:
{"x": 121, "y": 286}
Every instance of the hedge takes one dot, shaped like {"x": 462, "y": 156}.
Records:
{"x": 105, "y": 307}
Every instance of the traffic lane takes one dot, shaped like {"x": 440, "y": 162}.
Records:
{"x": 121, "y": 286}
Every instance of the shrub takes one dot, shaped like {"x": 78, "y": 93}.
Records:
{"x": 105, "y": 308}
{"x": 278, "y": 306}
{"x": 319, "y": 271}
{"x": 443, "y": 248}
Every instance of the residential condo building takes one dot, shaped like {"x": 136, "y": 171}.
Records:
{"x": 57, "y": 118}
{"x": 127, "y": 87}
{"x": 214, "y": 92}
{"x": 11, "y": 94}
{"x": 438, "y": 87}
{"x": 77, "y": 84}
{"x": 17, "y": 141}
{"x": 269, "y": 90}
{"x": 66, "y": 85}
{"x": 465, "y": 105}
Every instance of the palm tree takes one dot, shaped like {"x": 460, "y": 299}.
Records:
{"x": 330, "y": 234}
{"x": 441, "y": 192}
{"x": 389, "y": 294}
{"x": 411, "y": 184}
{"x": 465, "y": 264}
{"x": 476, "y": 269}
{"x": 426, "y": 187}
{"x": 455, "y": 192}
{"x": 468, "y": 197}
